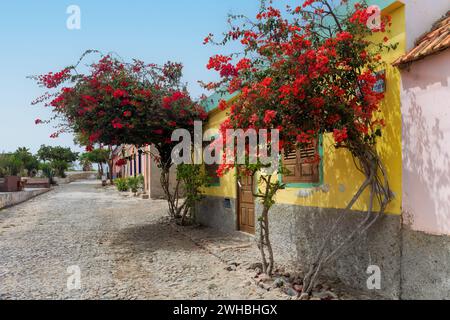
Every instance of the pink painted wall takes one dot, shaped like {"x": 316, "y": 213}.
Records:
{"x": 426, "y": 144}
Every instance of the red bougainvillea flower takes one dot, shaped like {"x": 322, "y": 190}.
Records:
{"x": 304, "y": 138}
{"x": 119, "y": 93}
{"x": 269, "y": 116}
{"x": 222, "y": 64}
{"x": 216, "y": 62}
{"x": 121, "y": 162}
{"x": 243, "y": 64}
{"x": 175, "y": 97}
{"x": 52, "y": 80}
{"x": 343, "y": 36}
{"x": 202, "y": 114}
{"x": 223, "y": 105}
{"x": 340, "y": 135}
{"x": 94, "y": 137}
{"x": 266, "y": 82}
{"x": 308, "y": 3}
{"x": 167, "y": 102}
{"x": 116, "y": 123}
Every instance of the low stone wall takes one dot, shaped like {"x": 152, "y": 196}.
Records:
{"x": 82, "y": 175}
{"x": 12, "y": 198}
{"x": 74, "y": 176}
{"x": 36, "y": 183}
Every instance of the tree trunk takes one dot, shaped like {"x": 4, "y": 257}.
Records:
{"x": 100, "y": 170}
{"x": 111, "y": 165}
{"x": 186, "y": 213}
{"x": 165, "y": 184}
{"x": 173, "y": 196}
{"x": 264, "y": 242}
{"x": 376, "y": 180}
{"x": 110, "y": 175}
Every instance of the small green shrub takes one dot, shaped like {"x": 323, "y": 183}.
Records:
{"x": 141, "y": 182}
{"x": 10, "y": 165}
{"x": 47, "y": 171}
{"x": 60, "y": 167}
{"x": 135, "y": 183}
{"x": 122, "y": 184}
{"x": 193, "y": 178}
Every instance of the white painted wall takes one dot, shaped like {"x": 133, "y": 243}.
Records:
{"x": 420, "y": 16}
{"x": 426, "y": 144}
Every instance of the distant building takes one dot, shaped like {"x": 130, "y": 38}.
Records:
{"x": 141, "y": 161}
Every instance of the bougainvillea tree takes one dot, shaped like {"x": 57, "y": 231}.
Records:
{"x": 116, "y": 103}
{"x": 307, "y": 71}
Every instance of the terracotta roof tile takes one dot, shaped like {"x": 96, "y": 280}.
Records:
{"x": 436, "y": 40}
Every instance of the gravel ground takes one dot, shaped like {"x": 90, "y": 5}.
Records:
{"x": 124, "y": 248}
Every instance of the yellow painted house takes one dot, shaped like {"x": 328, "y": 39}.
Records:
{"x": 305, "y": 210}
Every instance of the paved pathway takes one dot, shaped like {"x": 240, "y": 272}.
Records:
{"x": 122, "y": 247}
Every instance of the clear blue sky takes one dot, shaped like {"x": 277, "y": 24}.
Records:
{"x": 34, "y": 40}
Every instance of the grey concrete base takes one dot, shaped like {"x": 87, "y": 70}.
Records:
{"x": 12, "y": 198}
{"x": 413, "y": 265}
{"x": 297, "y": 234}
{"x": 213, "y": 212}
{"x": 425, "y": 266}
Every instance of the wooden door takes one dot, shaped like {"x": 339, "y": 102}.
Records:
{"x": 246, "y": 205}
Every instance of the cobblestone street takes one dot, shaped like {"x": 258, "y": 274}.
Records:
{"x": 124, "y": 248}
